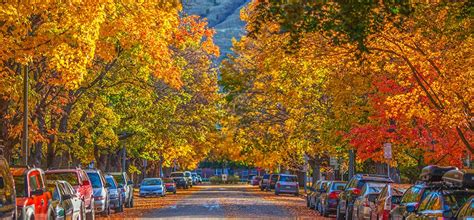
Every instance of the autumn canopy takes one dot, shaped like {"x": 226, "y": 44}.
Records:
{"x": 307, "y": 80}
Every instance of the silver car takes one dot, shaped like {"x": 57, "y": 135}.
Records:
{"x": 101, "y": 191}
{"x": 364, "y": 204}
{"x": 287, "y": 184}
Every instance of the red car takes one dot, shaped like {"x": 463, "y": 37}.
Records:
{"x": 78, "y": 178}
{"x": 33, "y": 201}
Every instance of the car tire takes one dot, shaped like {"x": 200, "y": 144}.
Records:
{"x": 277, "y": 193}
{"x": 174, "y": 192}
{"x": 307, "y": 202}
{"x": 131, "y": 202}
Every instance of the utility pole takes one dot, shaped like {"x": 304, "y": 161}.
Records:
{"x": 25, "y": 116}
{"x": 351, "y": 164}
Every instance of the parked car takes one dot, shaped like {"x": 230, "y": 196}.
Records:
{"x": 100, "y": 189}
{"x": 353, "y": 190}
{"x": 272, "y": 181}
{"x": 330, "y": 197}
{"x": 431, "y": 177}
{"x": 315, "y": 191}
{"x": 79, "y": 180}
{"x": 249, "y": 178}
{"x": 115, "y": 194}
{"x": 446, "y": 201}
{"x": 179, "y": 179}
{"x": 264, "y": 182}
{"x": 467, "y": 210}
{"x": 126, "y": 185}
{"x": 364, "y": 204}
{"x": 442, "y": 204}
{"x": 189, "y": 178}
{"x": 255, "y": 180}
{"x": 7, "y": 191}
{"x": 195, "y": 178}
{"x": 287, "y": 184}
{"x": 170, "y": 185}
{"x": 199, "y": 178}
{"x": 152, "y": 187}
{"x": 33, "y": 200}
{"x": 389, "y": 198}
{"x": 66, "y": 204}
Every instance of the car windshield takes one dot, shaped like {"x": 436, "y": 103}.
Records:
{"x": 151, "y": 182}
{"x": 177, "y": 175}
{"x": 20, "y": 186}
{"x": 69, "y": 177}
{"x": 111, "y": 182}
{"x": 119, "y": 178}
{"x": 95, "y": 180}
{"x": 288, "y": 179}
{"x": 338, "y": 186}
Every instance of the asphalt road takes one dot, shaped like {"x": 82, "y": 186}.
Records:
{"x": 233, "y": 201}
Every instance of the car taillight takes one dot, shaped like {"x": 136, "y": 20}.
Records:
{"x": 333, "y": 195}
{"x": 356, "y": 191}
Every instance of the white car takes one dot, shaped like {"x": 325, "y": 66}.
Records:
{"x": 65, "y": 203}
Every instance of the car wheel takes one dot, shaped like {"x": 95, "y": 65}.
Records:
{"x": 277, "y": 193}
{"x": 131, "y": 202}
{"x": 174, "y": 192}
{"x": 307, "y": 202}
{"x": 320, "y": 209}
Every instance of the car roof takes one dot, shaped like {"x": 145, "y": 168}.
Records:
{"x": 69, "y": 170}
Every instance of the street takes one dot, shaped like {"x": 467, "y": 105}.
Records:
{"x": 220, "y": 201}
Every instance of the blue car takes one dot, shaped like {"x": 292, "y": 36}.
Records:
{"x": 152, "y": 187}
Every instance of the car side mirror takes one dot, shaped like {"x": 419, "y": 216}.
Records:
{"x": 410, "y": 208}
{"x": 86, "y": 182}
{"x": 37, "y": 192}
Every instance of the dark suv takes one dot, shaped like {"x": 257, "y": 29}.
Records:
{"x": 179, "y": 179}
{"x": 7, "y": 191}
{"x": 353, "y": 190}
